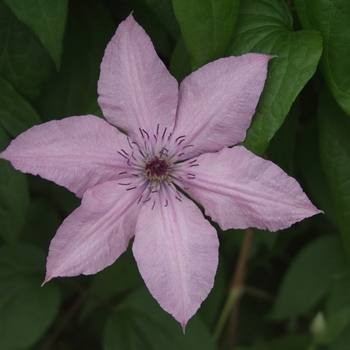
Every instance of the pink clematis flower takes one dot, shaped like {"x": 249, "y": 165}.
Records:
{"x": 132, "y": 185}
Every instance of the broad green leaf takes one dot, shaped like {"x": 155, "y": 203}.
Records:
{"x": 342, "y": 341}
{"x": 16, "y": 114}
{"x": 266, "y": 27}
{"x": 74, "y": 89}
{"x": 47, "y": 19}
{"x": 24, "y": 61}
{"x": 310, "y": 167}
{"x": 26, "y": 309}
{"x": 165, "y": 14}
{"x": 331, "y": 18}
{"x": 206, "y": 27}
{"x": 282, "y": 146}
{"x": 309, "y": 277}
{"x": 14, "y": 197}
{"x": 180, "y": 65}
{"x": 334, "y": 129}
{"x": 140, "y": 323}
{"x": 43, "y": 221}
{"x": 115, "y": 280}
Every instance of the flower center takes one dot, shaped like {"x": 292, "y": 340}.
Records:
{"x": 157, "y": 169}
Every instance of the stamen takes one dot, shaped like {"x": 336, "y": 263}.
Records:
{"x": 122, "y": 155}
{"x": 122, "y": 173}
{"x": 120, "y": 183}
{"x": 145, "y": 132}
{"x": 131, "y": 188}
{"x": 180, "y": 137}
{"x": 130, "y": 143}
{"x": 164, "y": 132}
{"x": 154, "y": 203}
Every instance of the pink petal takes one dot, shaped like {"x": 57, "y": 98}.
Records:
{"x": 96, "y": 233}
{"x": 218, "y": 101}
{"x": 75, "y": 152}
{"x": 176, "y": 250}
{"x": 240, "y": 190}
{"x": 136, "y": 90}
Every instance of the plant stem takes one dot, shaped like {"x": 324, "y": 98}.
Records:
{"x": 236, "y": 288}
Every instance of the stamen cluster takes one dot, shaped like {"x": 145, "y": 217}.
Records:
{"x": 156, "y": 167}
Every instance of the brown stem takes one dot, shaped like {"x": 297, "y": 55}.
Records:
{"x": 237, "y": 284}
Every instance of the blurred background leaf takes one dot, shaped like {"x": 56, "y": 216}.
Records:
{"x": 47, "y": 19}
{"x": 266, "y": 27}
{"x": 26, "y": 310}
{"x": 332, "y": 19}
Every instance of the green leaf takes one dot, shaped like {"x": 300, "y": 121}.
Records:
{"x": 266, "y": 27}
{"x": 26, "y": 309}
{"x": 165, "y": 14}
{"x": 47, "y": 19}
{"x": 310, "y": 167}
{"x": 282, "y": 146}
{"x": 334, "y": 129}
{"x": 206, "y": 27}
{"x": 14, "y": 197}
{"x": 309, "y": 277}
{"x": 73, "y": 90}
{"x": 24, "y": 61}
{"x": 140, "y": 323}
{"x": 117, "y": 279}
{"x": 331, "y": 18}
{"x": 180, "y": 65}
{"x": 43, "y": 221}
{"x": 16, "y": 114}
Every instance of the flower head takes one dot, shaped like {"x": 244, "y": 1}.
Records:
{"x": 133, "y": 185}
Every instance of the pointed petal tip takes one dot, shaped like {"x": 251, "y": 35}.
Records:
{"x": 47, "y": 279}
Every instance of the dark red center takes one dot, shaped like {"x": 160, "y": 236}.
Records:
{"x": 157, "y": 168}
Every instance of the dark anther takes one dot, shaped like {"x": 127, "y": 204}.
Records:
{"x": 193, "y": 161}
{"x": 139, "y": 200}
{"x": 164, "y": 132}
{"x": 188, "y": 146}
{"x": 122, "y": 155}
{"x": 157, "y": 128}
{"x": 154, "y": 203}
{"x": 131, "y": 188}
{"x": 147, "y": 200}
{"x": 166, "y": 203}
{"x": 132, "y": 155}
{"x": 130, "y": 143}
{"x": 145, "y": 132}
{"x": 122, "y": 173}
{"x": 119, "y": 183}
{"x": 180, "y": 137}
{"x": 125, "y": 152}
